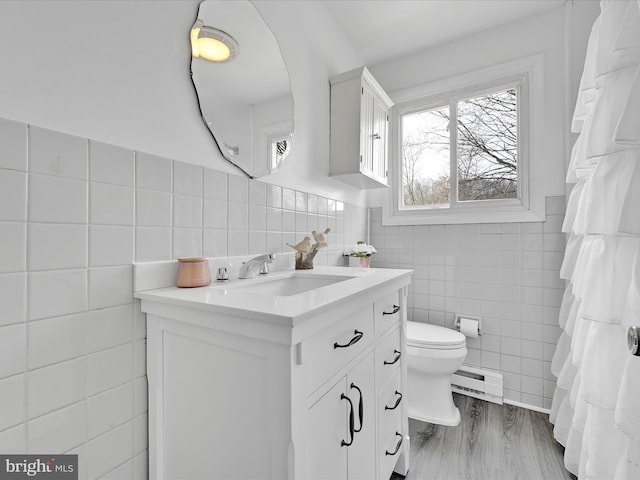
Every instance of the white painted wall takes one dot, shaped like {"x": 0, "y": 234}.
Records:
{"x": 118, "y": 72}
{"x": 559, "y": 34}
{"x": 506, "y": 273}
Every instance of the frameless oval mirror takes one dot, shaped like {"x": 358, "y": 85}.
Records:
{"x": 244, "y": 94}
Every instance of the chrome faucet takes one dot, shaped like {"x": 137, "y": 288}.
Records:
{"x": 259, "y": 264}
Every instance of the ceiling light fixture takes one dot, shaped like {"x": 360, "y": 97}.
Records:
{"x": 212, "y": 44}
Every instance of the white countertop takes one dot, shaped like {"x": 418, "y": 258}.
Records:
{"x": 227, "y": 298}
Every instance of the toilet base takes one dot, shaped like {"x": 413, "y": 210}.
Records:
{"x": 448, "y": 421}
{"x": 430, "y": 400}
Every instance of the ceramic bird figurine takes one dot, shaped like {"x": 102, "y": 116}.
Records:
{"x": 303, "y": 247}
{"x": 320, "y": 237}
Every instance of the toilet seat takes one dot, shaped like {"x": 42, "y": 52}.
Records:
{"x": 425, "y": 335}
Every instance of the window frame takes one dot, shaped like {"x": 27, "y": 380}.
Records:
{"x": 526, "y": 73}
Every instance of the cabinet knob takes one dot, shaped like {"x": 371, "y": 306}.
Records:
{"x": 376, "y": 136}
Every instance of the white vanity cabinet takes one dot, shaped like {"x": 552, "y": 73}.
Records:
{"x": 352, "y": 398}
{"x": 248, "y": 394}
{"x": 359, "y": 129}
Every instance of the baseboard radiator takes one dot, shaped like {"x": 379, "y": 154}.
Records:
{"x": 478, "y": 383}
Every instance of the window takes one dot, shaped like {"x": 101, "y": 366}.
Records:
{"x": 279, "y": 149}
{"x": 461, "y": 154}
{"x": 475, "y": 161}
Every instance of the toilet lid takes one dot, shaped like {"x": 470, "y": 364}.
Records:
{"x": 426, "y": 335}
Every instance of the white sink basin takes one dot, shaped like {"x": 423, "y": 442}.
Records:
{"x": 288, "y": 286}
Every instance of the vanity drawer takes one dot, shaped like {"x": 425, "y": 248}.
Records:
{"x": 388, "y": 357}
{"x": 386, "y": 312}
{"x": 334, "y": 347}
{"x": 390, "y": 441}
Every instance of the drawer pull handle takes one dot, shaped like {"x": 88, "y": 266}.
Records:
{"x": 399, "y": 444}
{"x": 358, "y": 335}
{"x": 395, "y": 310}
{"x": 396, "y": 358}
{"x": 360, "y": 405}
{"x": 398, "y": 400}
{"x": 351, "y": 421}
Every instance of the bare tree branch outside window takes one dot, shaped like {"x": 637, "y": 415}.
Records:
{"x": 488, "y": 147}
{"x": 425, "y": 158}
{"x": 486, "y": 156}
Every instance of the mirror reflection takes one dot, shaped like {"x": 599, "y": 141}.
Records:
{"x": 242, "y": 85}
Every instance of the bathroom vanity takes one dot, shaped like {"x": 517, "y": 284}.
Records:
{"x": 299, "y": 374}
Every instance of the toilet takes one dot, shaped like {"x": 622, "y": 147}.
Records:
{"x": 433, "y": 354}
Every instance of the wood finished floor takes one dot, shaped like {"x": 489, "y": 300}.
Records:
{"x": 492, "y": 442}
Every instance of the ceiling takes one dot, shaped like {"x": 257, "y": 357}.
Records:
{"x": 380, "y": 29}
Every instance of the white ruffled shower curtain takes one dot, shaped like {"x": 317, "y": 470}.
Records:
{"x": 596, "y": 405}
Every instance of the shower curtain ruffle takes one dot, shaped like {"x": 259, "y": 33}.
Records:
{"x": 596, "y": 405}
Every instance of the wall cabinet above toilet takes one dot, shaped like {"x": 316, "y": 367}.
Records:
{"x": 359, "y": 129}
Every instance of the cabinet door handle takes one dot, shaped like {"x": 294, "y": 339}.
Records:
{"x": 398, "y": 445}
{"x": 351, "y": 421}
{"x": 357, "y": 336}
{"x": 376, "y": 136}
{"x": 360, "y": 406}
{"x": 398, "y": 400}
{"x": 395, "y": 310}
{"x": 395, "y": 359}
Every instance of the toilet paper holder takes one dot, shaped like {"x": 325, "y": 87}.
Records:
{"x": 460, "y": 319}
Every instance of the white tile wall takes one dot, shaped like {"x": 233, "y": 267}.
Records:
{"x": 117, "y": 441}
{"x": 60, "y": 430}
{"x": 14, "y": 242}
{"x": 13, "y": 298}
{"x": 13, "y": 195}
{"x": 14, "y": 440}
{"x": 109, "y": 327}
{"x": 57, "y": 292}
{"x": 13, "y": 410}
{"x": 152, "y": 172}
{"x": 109, "y": 409}
{"x": 187, "y": 179}
{"x": 55, "y": 246}
{"x": 507, "y": 273}
{"x": 110, "y": 286}
{"x": 187, "y": 211}
{"x": 55, "y": 153}
{"x": 215, "y": 184}
{"x": 56, "y": 339}
{"x": 153, "y": 208}
{"x": 187, "y": 242}
{"x": 13, "y": 138}
{"x": 57, "y": 200}
{"x": 111, "y": 164}
{"x": 110, "y": 204}
{"x": 56, "y": 386}
{"x": 110, "y": 245}
{"x": 152, "y": 244}
{"x": 74, "y": 215}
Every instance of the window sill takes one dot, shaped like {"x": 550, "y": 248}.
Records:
{"x": 512, "y": 214}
